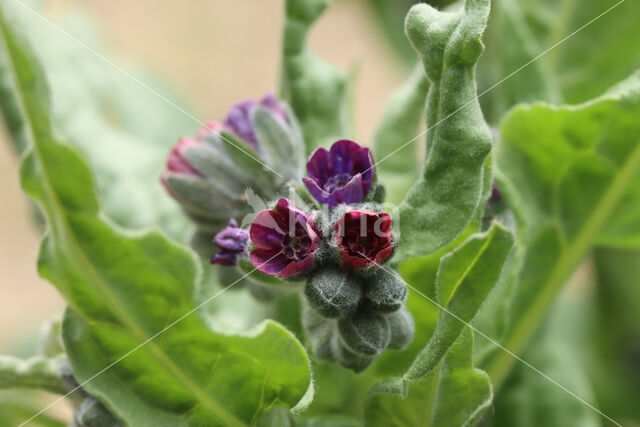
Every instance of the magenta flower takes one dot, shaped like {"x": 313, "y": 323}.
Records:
{"x": 232, "y": 242}
{"x": 341, "y": 175}
{"x": 285, "y": 240}
{"x": 364, "y": 237}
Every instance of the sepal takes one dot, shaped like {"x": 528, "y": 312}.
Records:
{"x": 333, "y": 292}
{"x": 365, "y": 332}
{"x": 385, "y": 291}
{"x": 402, "y": 327}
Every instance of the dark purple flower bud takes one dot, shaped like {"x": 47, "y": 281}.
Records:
{"x": 285, "y": 240}
{"x": 341, "y": 175}
{"x": 232, "y": 242}
{"x": 496, "y": 195}
{"x": 239, "y": 118}
{"x": 364, "y": 238}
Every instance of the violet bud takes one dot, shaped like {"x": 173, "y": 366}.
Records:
{"x": 232, "y": 242}
{"x": 239, "y": 120}
{"x": 343, "y": 174}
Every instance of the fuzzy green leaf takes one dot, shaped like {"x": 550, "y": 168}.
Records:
{"x": 123, "y": 289}
{"x": 398, "y": 161}
{"x": 575, "y": 70}
{"x": 571, "y": 174}
{"x": 447, "y": 195}
{"x": 454, "y": 397}
{"x": 318, "y": 92}
{"x": 464, "y": 279}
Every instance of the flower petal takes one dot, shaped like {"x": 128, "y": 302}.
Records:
{"x": 318, "y": 193}
{"x": 267, "y": 229}
{"x": 268, "y": 261}
{"x": 178, "y": 164}
{"x": 299, "y": 267}
{"x": 352, "y": 192}
{"x": 319, "y": 166}
{"x": 384, "y": 254}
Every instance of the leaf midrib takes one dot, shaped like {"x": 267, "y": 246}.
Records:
{"x": 74, "y": 246}
{"x": 574, "y": 253}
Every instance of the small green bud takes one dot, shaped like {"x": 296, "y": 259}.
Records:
{"x": 347, "y": 358}
{"x": 92, "y": 413}
{"x": 333, "y": 292}
{"x": 402, "y": 328}
{"x": 386, "y": 292}
{"x": 365, "y": 332}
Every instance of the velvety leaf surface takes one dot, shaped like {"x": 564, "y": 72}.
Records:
{"x": 571, "y": 175}
{"x": 124, "y": 288}
{"x": 444, "y": 199}
{"x": 576, "y": 70}
{"x": 464, "y": 279}
{"x": 318, "y": 92}
{"x": 397, "y": 166}
{"x": 453, "y": 396}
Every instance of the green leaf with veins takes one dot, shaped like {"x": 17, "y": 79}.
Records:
{"x": 317, "y": 92}
{"x": 572, "y": 176}
{"x": 124, "y": 131}
{"x": 445, "y": 198}
{"x": 123, "y": 289}
{"x": 576, "y": 70}
{"x": 396, "y": 155}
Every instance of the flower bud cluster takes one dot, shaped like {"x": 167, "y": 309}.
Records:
{"x": 354, "y": 306}
{"x": 208, "y": 174}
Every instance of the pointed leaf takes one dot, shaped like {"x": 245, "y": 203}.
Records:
{"x": 445, "y": 198}
{"x": 465, "y": 277}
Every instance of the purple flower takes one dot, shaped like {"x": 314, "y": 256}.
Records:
{"x": 232, "y": 242}
{"x": 239, "y": 118}
{"x": 341, "y": 175}
{"x": 285, "y": 240}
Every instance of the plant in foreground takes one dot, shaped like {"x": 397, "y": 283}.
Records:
{"x": 324, "y": 256}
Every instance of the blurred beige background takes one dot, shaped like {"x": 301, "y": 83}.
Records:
{"x": 213, "y": 52}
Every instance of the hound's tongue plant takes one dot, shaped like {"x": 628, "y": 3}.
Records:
{"x": 397, "y": 294}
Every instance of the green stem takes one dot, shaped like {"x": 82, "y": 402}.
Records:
{"x": 500, "y": 365}
{"x": 36, "y": 373}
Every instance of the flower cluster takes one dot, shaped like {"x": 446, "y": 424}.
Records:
{"x": 337, "y": 246}
{"x": 355, "y": 307}
{"x": 208, "y": 174}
